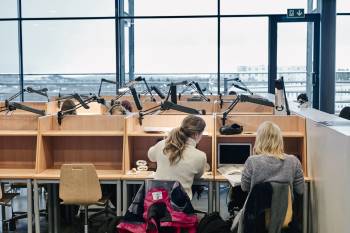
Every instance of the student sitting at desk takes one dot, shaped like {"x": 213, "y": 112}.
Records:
{"x": 177, "y": 157}
{"x": 270, "y": 163}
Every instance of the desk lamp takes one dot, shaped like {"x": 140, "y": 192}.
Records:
{"x": 81, "y": 103}
{"x": 281, "y": 102}
{"x": 196, "y": 88}
{"x": 167, "y": 105}
{"x": 62, "y": 98}
{"x": 245, "y": 98}
{"x": 12, "y": 106}
{"x": 239, "y": 84}
{"x": 103, "y": 80}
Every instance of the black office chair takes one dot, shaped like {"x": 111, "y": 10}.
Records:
{"x": 345, "y": 113}
{"x": 6, "y": 199}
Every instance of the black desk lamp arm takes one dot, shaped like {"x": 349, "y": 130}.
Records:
{"x": 229, "y": 109}
{"x": 149, "y": 111}
{"x": 13, "y": 106}
{"x": 103, "y": 80}
{"x": 85, "y": 102}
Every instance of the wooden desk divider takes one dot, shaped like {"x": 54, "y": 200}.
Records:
{"x": 242, "y": 108}
{"x": 97, "y": 139}
{"x": 147, "y": 104}
{"x": 18, "y": 140}
{"x": 95, "y": 108}
{"x": 293, "y": 129}
{"x": 36, "y": 105}
{"x": 138, "y": 142}
{"x": 198, "y": 105}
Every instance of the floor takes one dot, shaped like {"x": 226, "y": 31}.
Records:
{"x": 20, "y": 204}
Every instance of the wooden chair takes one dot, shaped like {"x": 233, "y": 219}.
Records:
{"x": 79, "y": 185}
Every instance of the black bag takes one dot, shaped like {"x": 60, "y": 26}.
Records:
{"x": 109, "y": 225}
{"x": 213, "y": 223}
{"x": 231, "y": 129}
{"x": 237, "y": 197}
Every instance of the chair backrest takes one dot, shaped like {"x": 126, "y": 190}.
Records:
{"x": 289, "y": 212}
{"x": 79, "y": 184}
{"x": 152, "y": 183}
{"x": 267, "y": 207}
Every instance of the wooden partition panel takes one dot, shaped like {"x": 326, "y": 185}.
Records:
{"x": 103, "y": 152}
{"x": 138, "y": 141}
{"x": 208, "y": 107}
{"x": 147, "y": 98}
{"x": 166, "y": 121}
{"x": 94, "y": 108}
{"x": 288, "y": 124}
{"x": 147, "y": 104}
{"x": 138, "y": 147}
{"x": 18, "y": 123}
{"x": 293, "y": 131}
{"x": 97, "y": 139}
{"x": 35, "y": 105}
{"x": 89, "y": 123}
{"x": 17, "y": 152}
{"x": 243, "y": 108}
{"x": 18, "y": 141}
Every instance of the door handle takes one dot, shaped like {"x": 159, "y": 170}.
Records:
{"x": 314, "y": 78}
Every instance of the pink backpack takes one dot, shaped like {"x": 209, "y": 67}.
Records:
{"x": 160, "y": 213}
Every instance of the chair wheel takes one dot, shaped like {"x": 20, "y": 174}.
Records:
{"x": 12, "y": 225}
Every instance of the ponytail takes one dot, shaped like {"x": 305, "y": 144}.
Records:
{"x": 175, "y": 143}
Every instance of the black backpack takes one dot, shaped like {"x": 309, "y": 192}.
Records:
{"x": 109, "y": 225}
{"x": 213, "y": 223}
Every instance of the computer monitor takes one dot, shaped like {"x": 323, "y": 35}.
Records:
{"x": 233, "y": 153}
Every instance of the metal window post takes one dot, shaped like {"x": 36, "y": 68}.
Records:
{"x": 272, "y": 63}
{"x": 328, "y": 42}
{"x": 131, "y": 42}
{"x": 20, "y": 48}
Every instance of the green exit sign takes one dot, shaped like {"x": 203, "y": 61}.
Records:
{"x": 295, "y": 13}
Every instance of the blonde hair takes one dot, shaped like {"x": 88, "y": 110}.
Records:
{"x": 176, "y": 141}
{"x": 269, "y": 140}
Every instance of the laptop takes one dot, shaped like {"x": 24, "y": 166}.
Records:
{"x": 232, "y": 156}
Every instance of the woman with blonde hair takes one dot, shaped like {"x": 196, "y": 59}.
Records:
{"x": 270, "y": 163}
{"x": 177, "y": 156}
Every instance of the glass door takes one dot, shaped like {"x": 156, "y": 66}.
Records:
{"x": 294, "y": 54}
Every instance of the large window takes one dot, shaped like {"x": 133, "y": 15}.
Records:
{"x": 242, "y": 55}
{"x": 291, "y": 58}
{"x": 172, "y": 7}
{"x": 231, "y": 7}
{"x": 8, "y": 8}
{"x": 9, "y": 68}
{"x": 174, "y": 49}
{"x": 69, "y": 45}
{"x": 343, "y": 6}
{"x": 66, "y": 54}
{"x": 67, "y": 8}
{"x": 343, "y": 63}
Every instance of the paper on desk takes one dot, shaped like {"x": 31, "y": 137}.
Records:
{"x": 232, "y": 174}
{"x": 235, "y": 180}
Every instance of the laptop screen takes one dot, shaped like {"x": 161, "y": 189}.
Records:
{"x": 233, "y": 153}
